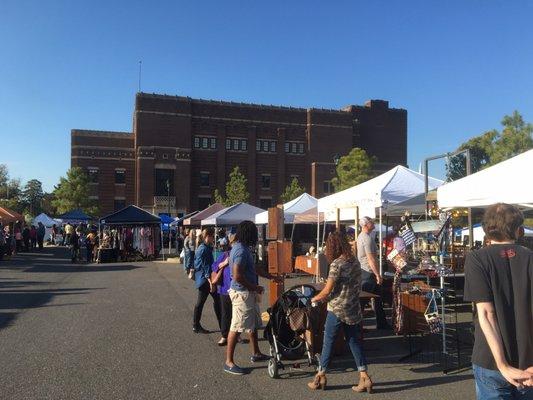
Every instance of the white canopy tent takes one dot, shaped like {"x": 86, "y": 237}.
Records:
{"x": 479, "y": 234}
{"x": 233, "y": 215}
{"x": 299, "y": 205}
{"x": 48, "y": 222}
{"x": 45, "y": 220}
{"x": 505, "y": 182}
{"x": 394, "y": 186}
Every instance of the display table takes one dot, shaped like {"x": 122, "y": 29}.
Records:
{"x": 107, "y": 255}
{"x": 307, "y": 264}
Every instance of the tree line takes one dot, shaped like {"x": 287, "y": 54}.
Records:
{"x": 30, "y": 199}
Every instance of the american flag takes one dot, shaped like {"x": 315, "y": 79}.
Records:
{"x": 407, "y": 234}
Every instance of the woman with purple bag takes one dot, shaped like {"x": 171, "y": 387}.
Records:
{"x": 221, "y": 277}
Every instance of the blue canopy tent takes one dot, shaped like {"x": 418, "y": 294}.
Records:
{"x": 74, "y": 217}
{"x": 165, "y": 221}
{"x": 131, "y": 215}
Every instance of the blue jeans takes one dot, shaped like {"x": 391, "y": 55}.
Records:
{"x": 188, "y": 262}
{"x": 352, "y": 334}
{"x": 491, "y": 385}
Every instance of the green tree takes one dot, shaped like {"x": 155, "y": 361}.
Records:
{"x": 10, "y": 191}
{"x": 292, "y": 191}
{"x": 515, "y": 138}
{"x": 236, "y": 190}
{"x": 73, "y": 192}
{"x": 47, "y": 206}
{"x": 32, "y": 197}
{"x": 493, "y": 146}
{"x": 354, "y": 168}
{"x": 480, "y": 155}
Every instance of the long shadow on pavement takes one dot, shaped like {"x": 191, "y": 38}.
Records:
{"x": 23, "y": 299}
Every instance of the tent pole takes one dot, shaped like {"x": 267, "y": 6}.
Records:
{"x": 292, "y": 232}
{"x": 356, "y": 235}
{"x": 380, "y": 241}
{"x": 162, "y": 245}
{"x": 338, "y": 219}
{"x": 317, "y": 269}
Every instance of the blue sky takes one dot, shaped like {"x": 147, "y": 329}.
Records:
{"x": 456, "y": 66}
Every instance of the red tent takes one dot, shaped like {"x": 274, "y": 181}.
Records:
{"x": 8, "y": 216}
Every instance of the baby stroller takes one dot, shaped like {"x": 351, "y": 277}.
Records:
{"x": 292, "y": 310}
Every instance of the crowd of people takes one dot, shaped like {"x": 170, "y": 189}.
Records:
{"x": 232, "y": 281}
{"x": 498, "y": 281}
{"x": 21, "y": 237}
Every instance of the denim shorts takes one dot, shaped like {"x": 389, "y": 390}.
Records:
{"x": 491, "y": 385}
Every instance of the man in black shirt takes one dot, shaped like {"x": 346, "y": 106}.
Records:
{"x": 499, "y": 279}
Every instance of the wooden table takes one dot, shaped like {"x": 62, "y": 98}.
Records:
{"x": 307, "y": 264}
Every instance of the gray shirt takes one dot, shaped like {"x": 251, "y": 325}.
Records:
{"x": 365, "y": 246}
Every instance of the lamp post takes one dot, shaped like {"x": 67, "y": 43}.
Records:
{"x": 336, "y": 161}
{"x": 468, "y": 172}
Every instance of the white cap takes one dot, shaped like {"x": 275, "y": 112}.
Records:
{"x": 364, "y": 221}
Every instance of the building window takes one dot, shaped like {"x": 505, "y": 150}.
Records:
{"x": 119, "y": 204}
{"x": 203, "y": 202}
{"x": 294, "y": 147}
{"x": 265, "y": 181}
{"x": 205, "y": 142}
{"x": 257, "y": 145}
{"x": 237, "y": 144}
{"x": 266, "y": 146}
{"x": 204, "y": 179}
{"x": 162, "y": 178}
{"x": 120, "y": 176}
{"x": 265, "y": 203}
{"x": 328, "y": 187}
{"x": 93, "y": 175}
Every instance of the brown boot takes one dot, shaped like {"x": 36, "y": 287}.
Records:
{"x": 319, "y": 381}
{"x": 365, "y": 384}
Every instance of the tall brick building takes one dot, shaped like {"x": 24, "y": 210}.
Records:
{"x": 194, "y": 144}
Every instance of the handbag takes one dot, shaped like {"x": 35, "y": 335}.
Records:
{"x": 432, "y": 315}
{"x": 299, "y": 319}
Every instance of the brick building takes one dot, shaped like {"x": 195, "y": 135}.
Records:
{"x": 194, "y": 144}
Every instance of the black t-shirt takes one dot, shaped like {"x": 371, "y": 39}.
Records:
{"x": 503, "y": 274}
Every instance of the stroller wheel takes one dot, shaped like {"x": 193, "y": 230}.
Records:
{"x": 273, "y": 368}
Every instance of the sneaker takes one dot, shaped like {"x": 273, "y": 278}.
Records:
{"x": 200, "y": 330}
{"x": 222, "y": 342}
{"x": 235, "y": 370}
{"x": 259, "y": 357}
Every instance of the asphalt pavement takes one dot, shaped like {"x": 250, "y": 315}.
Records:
{"x": 124, "y": 331}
